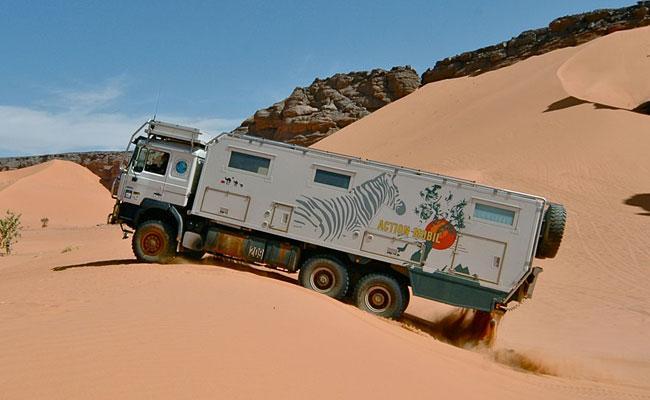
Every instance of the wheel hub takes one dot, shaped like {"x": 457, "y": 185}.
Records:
{"x": 322, "y": 280}
{"x": 152, "y": 243}
{"x": 378, "y": 299}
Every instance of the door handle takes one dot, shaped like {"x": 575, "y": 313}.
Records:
{"x": 134, "y": 179}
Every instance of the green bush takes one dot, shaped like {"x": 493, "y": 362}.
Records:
{"x": 10, "y": 228}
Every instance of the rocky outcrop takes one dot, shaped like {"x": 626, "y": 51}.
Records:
{"x": 327, "y": 105}
{"x": 562, "y": 32}
{"x": 106, "y": 165}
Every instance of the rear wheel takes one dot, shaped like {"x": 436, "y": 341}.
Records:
{"x": 381, "y": 295}
{"x": 326, "y": 275}
{"x": 154, "y": 242}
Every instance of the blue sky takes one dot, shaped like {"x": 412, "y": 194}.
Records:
{"x": 81, "y": 75}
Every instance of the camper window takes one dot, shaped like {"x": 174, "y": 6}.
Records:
{"x": 494, "y": 214}
{"x": 332, "y": 178}
{"x": 249, "y": 162}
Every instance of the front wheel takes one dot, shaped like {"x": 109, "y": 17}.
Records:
{"x": 154, "y": 242}
{"x": 381, "y": 295}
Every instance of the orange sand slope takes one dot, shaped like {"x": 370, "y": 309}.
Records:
{"x": 89, "y": 323}
{"x": 607, "y": 71}
{"x": 62, "y": 191}
{"x": 519, "y": 128}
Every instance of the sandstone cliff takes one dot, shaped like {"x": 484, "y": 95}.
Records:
{"x": 327, "y": 105}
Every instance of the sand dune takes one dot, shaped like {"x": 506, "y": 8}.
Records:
{"x": 62, "y": 191}
{"x": 518, "y": 127}
{"x": 79, "y": 319}
{"x": 607, "y": 71}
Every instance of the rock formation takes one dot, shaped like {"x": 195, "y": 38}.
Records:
{"x": 562, "y": 32}
{"x": 327, "y": 105}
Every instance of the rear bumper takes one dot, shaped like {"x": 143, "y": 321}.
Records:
{"x": 525, "y": 287}
{"x": 468, "y": 293}
{"x": 454, "y": 290}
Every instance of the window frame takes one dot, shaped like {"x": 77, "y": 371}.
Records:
{"x": 504, "y": 206}
{"x": 252, "y": 153}
{"x": 334, "y": 170}
{"x": 149, "y": 150}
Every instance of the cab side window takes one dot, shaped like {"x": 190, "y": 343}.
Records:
{"x": 156, "y": 162}
{"x": 139, "y": 159}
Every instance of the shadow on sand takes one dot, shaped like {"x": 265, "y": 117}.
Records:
{"x": 104, "y": 263}
{"x": 571, "y": 101}
{"x": 214, "y": 261}
{"x": 641, "y": 200}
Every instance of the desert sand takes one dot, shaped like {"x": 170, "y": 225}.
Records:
{"x": 80, "y": 319}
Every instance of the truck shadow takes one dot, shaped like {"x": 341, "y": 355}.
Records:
{"x": 236, "y": 265}
{"x": 213, "y": 261}
{"x": 103, "y": 263}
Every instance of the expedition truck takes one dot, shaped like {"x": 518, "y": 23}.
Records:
{"x": 347, "y": 225}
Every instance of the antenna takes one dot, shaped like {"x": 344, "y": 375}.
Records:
{"x": 155, "y": 112}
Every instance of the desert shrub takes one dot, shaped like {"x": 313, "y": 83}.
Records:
{"x": 44, "y": 222}
{"x": 10, "y": 228}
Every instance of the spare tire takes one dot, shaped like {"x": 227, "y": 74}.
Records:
{"x": 552, "y": 231}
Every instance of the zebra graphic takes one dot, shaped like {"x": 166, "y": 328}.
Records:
{"x": 336, "y": 216}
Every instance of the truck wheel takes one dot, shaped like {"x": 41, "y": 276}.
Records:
{"x": 552, "y": 231}
{"x": 381, "y": 295}
{"x": 153, "y": 242}
{"x": 406, "y": 295}
{"x": 325, "y": 275}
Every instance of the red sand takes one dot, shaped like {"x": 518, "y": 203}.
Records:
{"x": 79, "y": 320}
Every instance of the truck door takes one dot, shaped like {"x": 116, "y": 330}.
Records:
{"x": 478, "y": 257}
{"x": 148, "y": 175}
{"x": 177, "y": 183}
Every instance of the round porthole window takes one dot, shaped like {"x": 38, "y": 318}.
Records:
{"x": 181, "y": 167}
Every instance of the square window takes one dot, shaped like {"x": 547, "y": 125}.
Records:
{"x": 332, "y": 178}
{"x": 494, "y": 214}
{"x": 249, "y": 162}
